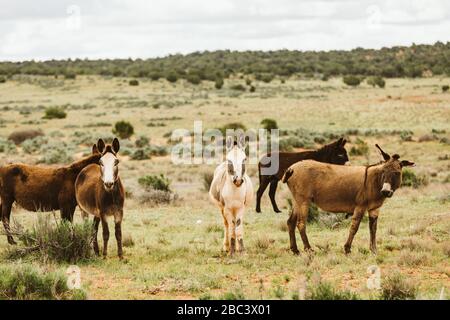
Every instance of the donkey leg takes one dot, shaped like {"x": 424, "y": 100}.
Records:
{"x": 105, "y": 230}
{"x": 240, "y": 230}
{"x": 356, "y": 219}
{"x": 118, "y": 233}
{"x": 226, "y": 237}
{"x": 373, "y": 218}
{"x": 272, "y": 191}
{"x": 291, "y": 223}
{"x": 95, "y": 242}
{"x": 231, "y": 230}
{"x": 264, "y": 182}
{"x": 5, "y": 207}
{"x": 302, "y": 226}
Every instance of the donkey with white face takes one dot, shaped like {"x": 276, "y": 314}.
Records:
{"x": 231, "y": 190}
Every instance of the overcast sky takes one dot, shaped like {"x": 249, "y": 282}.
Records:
{"x": 56, "y": 29}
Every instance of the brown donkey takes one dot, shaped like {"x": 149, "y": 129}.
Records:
{"x": 335, "y": 188}
{"x": 331, "y": 153}
{"x": 38, "y": 188}
{"x": 99, "y": 191}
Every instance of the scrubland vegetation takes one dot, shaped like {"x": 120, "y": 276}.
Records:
{"x": 172, "y": 233}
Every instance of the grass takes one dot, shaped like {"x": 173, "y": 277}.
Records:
{"x": 174, "y": 248}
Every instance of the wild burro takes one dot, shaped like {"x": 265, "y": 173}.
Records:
{"x": 39, "y": 188}
{"x": 99, "y": 191}
{"x": 331, "y": 153}
{"x": 232, "y": 190}
{"x": 336, "y": 189}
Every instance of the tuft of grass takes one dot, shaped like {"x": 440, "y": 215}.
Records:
{"x": 396, "y": 287}
{"x": 27, "y": 282}
{"x": 411, "y": 179}
{"x": 326, "y": 291}
{"x": 412, "y": 259}
{"x": 127, "y": 240}
{"x": 54, "y": 113}
{"x": 61, "y": 241}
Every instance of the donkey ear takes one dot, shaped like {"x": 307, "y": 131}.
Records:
{"x": 101, "y": 145}
{"x": 343, "y": 142}
{"x": 241, "y": 141}
{"x": 406, "y": 163}
{"x": 95, "y": 149}
{"x": 116, "y": 145}
{"x": 229, "y": 142}
{"x": 386, "y": 156}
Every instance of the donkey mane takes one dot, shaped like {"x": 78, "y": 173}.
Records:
{"x": 80, "y": 164}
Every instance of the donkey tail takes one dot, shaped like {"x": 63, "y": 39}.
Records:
{"x": 289, "y": 172}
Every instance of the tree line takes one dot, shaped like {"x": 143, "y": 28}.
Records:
{"x": 413, "y": 61}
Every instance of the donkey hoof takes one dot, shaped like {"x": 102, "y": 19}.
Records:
{"x": 258, "y": 210}
{"x": 277, "y": 210}
{"x": 295, "y": 252}
{"x": 347, "y": 249}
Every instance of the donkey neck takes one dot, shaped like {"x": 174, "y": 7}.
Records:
{"x": 310, "y": 154}
{"x": 79, "y": 165}
{"x": 372, "y": 182}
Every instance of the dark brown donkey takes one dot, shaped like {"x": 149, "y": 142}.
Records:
{"x": 330, "y": 153}
{"x": 99, "y": 191}
{"x": 335, "y": 188}
{"x": 38, "y": 188}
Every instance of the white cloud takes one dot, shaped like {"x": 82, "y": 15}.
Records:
{"x": 48, "y": 29}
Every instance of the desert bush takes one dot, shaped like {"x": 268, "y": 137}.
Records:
{"x": 396, "y": 287}
{"x": 248, "y": 81}
{"x": 140, "y": 154}
{"x": 26, "y": 282}
{"x": 264, "y": 77}
{"x": 218, "y": 83}
{"x": 252, "y": 89}
{"x": 411, "y": 179}
{"x": 2, "y": 79}
{"x": 54, "y": 113}
{"x": 142, "y": 142}
{"x": 233, "y": 126}
{"x": 427, "y": 137}
{"x": 207, "y": 179}
{"x": 269, "y": 124}
{"x": 326, "y": 291}
{"x": 59, "y": 241}
{"x": 7, "y": 146}
{"x": 376, "y": 81}
{"x": 237, "y": 87}
{"x": 445, "y": 88}
{"x": 70, "y": 75}
{"x": 54, "y": 153}
{"x": 193, "y": 79}
{"x": 34, "y": 145}
{"x": 172, "y": 77}
{"x": 123, "y": 129}
{"x": 155, "y": 182}
{"x": 352, "y": 81}
{"x": 156, "y": 197}
{"x": 406, "y": 136}
{"x": 360, "y": 149}
{"x": 133, "y": 82}
{"x": 21, "y": 135}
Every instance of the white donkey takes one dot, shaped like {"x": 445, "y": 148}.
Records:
{"x": 231, "y": 189}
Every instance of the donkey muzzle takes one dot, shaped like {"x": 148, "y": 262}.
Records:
{"x": 108, "y": 185}
{"x": 386, "y": 191}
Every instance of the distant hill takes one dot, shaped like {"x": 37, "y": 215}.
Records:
{"x": 412, "y": 61}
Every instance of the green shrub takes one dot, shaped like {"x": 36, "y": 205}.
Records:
{"x": 248, "y": 81}
{"x": 26, "y": 282}
{"x": 70, "y": 75}
{"x": 396, "y": 287}
{"x": 172, "y": 77}
{"x": 54, "y": 113}
{"x": 133, "y": 82}
{"x": 269, "y": 124}
{"x": 155, "y": 182}
{"x": 140, "y": 154}
{"x": 7, "y": 146}
{"x": 410, "y": 179}
{"x": 123, "y": 129}
{"x": 445, "y": 88}
{"x": 376, "y": 81}
{"x": 142, "y": 141}
{"x": 326, "y": 291}
{"x": 406, "y": 136}
{"x": 252, "y": 89}
{"x": 218, "y": 84}
{"x": 194, "y": 79}
{"x": 2, "y": 79}
{"x": 352, "y": 81}
{"x": 238, "y": 87}
{"x": 233, "y": 126}
{"x": 60, "y": 241}
{"x": 360, "y": 149}
{"x": 265, "y": 77}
